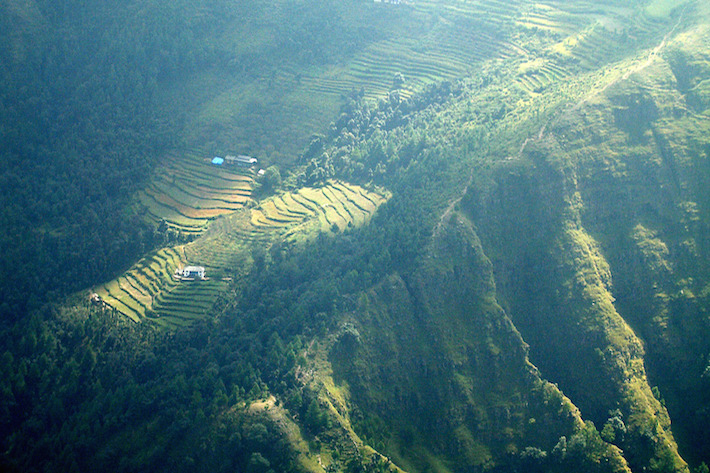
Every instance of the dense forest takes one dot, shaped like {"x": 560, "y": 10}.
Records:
{"x": 80, "y": 125}
{"x": 93, "y": 95}
{"x": 531, "y": 296}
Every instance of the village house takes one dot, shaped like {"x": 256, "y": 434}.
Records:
{"x": 190, "y": 273}
{"x": 240, "y": 160}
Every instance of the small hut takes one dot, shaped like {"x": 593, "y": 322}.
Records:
{"x": 241, "y": 160}
{"x": 190, "y": 273}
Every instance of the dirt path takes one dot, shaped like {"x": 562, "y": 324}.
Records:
{"x": 541, "y": 133}
{"x": 649, "y": 60}
{"x": 451, "y": 206}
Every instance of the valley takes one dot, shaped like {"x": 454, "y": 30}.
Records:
{"x": 479, "y": 243}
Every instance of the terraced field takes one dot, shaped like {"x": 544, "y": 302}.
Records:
{"x": 431, "y": 40}
{"x": 426, "y": 41}
{"x": 186, "y": 302}
{"x": 297, "y": 215}
{"x": 187, "y": 192}
{"x": 465, "y": 34}
{"x": 536, "y": 75}
{"x": 148, "y": 292}
{"x": 587, "y": 38}
{"x": 134, "y": 292}
{"x": 549, "y": 19}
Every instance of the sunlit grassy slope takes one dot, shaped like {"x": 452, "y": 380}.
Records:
{"x": 187, "y": 192}
{"x": 599, "y": 198}
{"x": 543, "y": 241}
{"x": 150, "y": 291}
{"x": 296, "y": 80}
{"x": 272, "y": 109}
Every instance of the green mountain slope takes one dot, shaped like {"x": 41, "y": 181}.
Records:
{"x": 492, "y": 258}
{"x": 442, "y": 366}
{"x": 571, "y": 217}
{"x": 606, "y": 207}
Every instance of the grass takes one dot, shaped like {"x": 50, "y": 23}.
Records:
{"x": 274, "y": 119}
{"x": 663, "y": 8}
{"x": 148, "y": 291}
{"x": 134, "y": 292}
{"x": 188, "y": 192}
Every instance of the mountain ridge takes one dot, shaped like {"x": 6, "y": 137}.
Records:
{"x": 527, "y": 293}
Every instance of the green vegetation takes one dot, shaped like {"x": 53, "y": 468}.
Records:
{"x": 479, "y": 244}
{"x": 150, "y": 290}
{"x": 662, "y": 8}
{"x": 187, "y": 193}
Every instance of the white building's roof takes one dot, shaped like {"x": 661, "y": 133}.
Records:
{"x": 193, "y": 269}
{"x": 241, "y": 158}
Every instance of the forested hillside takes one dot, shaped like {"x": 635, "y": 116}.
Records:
{"x": 95, "y": 96}
{"x": 480, "y": 242}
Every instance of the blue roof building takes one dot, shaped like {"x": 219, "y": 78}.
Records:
{"x": 217, "y": 161}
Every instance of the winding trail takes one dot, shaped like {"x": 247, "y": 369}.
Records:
{"x": 452, "y": 205}
{"x": 649, "y": 60}
{"x": 541, "y": 133}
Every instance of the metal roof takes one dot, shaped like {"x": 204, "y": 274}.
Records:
{"x": 193, "y": 269}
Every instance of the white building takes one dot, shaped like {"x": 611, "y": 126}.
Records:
{"x": 241, "y": 160}
{"x": 191, "y": 272}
